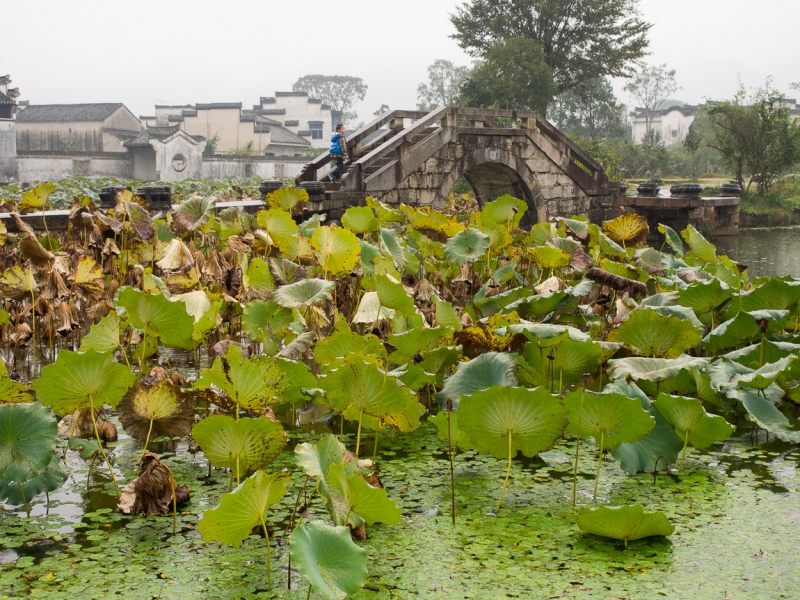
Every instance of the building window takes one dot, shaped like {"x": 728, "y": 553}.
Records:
{"x": 316, "y": 131}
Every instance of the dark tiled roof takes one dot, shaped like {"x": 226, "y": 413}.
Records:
{"x": 143, "y": 118}
{"x": 174, "y": 106}
{"x": 279, "y": 135}
{"x": 292, "y": 123}
{"x": 5, "y": 99}
{"x": 157, "y": 133}
{"x": 50, "y": 113}
{"x": 214, "y": 105}
{"x": 175, "y": 118}
{"x": 122, "y": 134}
{"x": 5, "y": 79}
{"x": 272, "y": 111}
{"x": 266, "y": 100}
{"x": 304, "y": 133}
{"x": 286, "y": 94}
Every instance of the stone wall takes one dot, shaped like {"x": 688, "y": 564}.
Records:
{"x": 8, "y": 151}
{"x": 494, "y": 165}
{"x": 230, "y": 166}
{"x": 44, "y": 167}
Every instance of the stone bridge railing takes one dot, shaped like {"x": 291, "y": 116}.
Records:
{"x": 400, "y": 150}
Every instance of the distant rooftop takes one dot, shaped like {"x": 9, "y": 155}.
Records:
{"x": 51, "y": 113}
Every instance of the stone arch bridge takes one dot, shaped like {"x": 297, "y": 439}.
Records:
{"x": 416, "y": 158}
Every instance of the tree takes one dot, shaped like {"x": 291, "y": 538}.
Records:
{"x": 513, "y": 75}
{"x": 755, "y": 135}
{"x": 590, "y": 110}
{"x": 444, "y": 84}
{"x": 692, "y": 143}
{"x": 581, "y": 39}
{"x": 339, "y": 91}
{"x": 649, "y": 88}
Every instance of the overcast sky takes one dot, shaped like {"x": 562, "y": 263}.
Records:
{"x": 180, "y": 51}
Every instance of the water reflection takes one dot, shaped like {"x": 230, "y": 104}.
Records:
{"x": 766, "y": 252}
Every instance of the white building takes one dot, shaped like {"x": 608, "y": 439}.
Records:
{"x": 669, "y": 126}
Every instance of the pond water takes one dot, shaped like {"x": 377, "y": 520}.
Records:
{"x": 736, "y": 509}
{"x": 766, "y": 252}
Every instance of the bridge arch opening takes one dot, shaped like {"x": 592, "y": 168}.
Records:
{"x": 490, "y": 180}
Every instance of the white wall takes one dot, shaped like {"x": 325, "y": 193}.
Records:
{"x": 216, "y": 169}
{"x": 53, "y": 168}
{"x": 673, "y": 126}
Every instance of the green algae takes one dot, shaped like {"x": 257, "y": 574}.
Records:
{"x": 736, "y": 509}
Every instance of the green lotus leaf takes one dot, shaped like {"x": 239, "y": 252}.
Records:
{"x": 317, "y": 459}
{"x": 628, "y": 229}
{"x": 36, "y": 198}
{"x": 765, "y": 414}
{"x": 88, "y": 448}
{"x": 257, "y": 279}
{"x": 288, "y": 198}
{"x": 766, "y": 375}
{"x": 635, "y": 457}
{"x": 625, "y": 523}
{"x": 467, "y": 246}
{"x": 342, "y": 344}
{"x": 649, "y": 333}
{"x": 416, "y": 341}
{"x": 243, "y": 509}
{"x": 369, "y": 503}
{"x": 27, "y": 440}
{"x": 705, "y": 296}
{"x": 337, "y": 250}
{"x": 571, "y": 360}
{"x": 251, "y": 383}
{"x": 413, "y": 377}
{"x": 103, "y": 336}
{"x": 334, "y": 566}
{"x": 650, "y": 260}
{"x": 743, "y": 328}
{"x": 241, "y": 446}
{"x": 724, "y": 374}
{"x": 506, "y": 211}
{"x": 368, "y": 255}
{"x": 481, "y": 373}
{"x": 150, "y": 411}
{"x": 673, "y": 239}
{"x": 17, "y": 283}
{"x": 370, "y": 310}
{"x": 195, "y": 212}
{"x": 86, "y": 380}
{"x": 363, "y": 390}
{"x": 360, "y": 219}
{"x": 278, "y": 225}
{"x": 458, "y": 438}
{"x": 11, "y": 391}
{"x": 156, "y": 315}
{"x": 502, "y": 302}
{"x": 611, "y": 419}
{"x": 550, "y": 258}
{"x": 774, "y": 294}
{"x": 439, "y": 361}
{"x": 266, "y": 322}
{"x": 393, "y": 248}
{"x": 653, "y": 369}
{"x": 48, "y": 480}
{"x": 698, "y": 245}
{"x": 446, "y": 316}
{"x": 503, "y": 419}
{"x": 576, "y": 226}
{"x": 682, "y": 384}
{"x": 754, "y": 355}
{"x": 607, "y": 246}
{"x": 691, "y": 421}
{"x": 536, "y": 332}
{"x": 303, "y": 293}
{"x": 393, "y": 295}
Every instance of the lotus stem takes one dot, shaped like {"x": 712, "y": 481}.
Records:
{"x": 577, "y": 452}
{"x": 296, "y": 504}
{"x": 452, "y": 473}
{"x": 146, "y": 440}
{"x": 761, "y": 353}
{"x": 33, "y": 339}
{"x": 358, "y": 435}
{"x": 686, "y": 445}
{"x": 269, "y": 556}
{"x": 599, "y": 464}
{"x": 100, "y": 443}
{"x": 24, "y": 501}
{"x": 309, "y": 591}
{"x": 375, "y": 446}
{"x": 508, "y": 474}
{"x": 144, "y": 348}
{"x": 238, "y": 482}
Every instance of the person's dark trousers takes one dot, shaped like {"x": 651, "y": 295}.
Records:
{"x": 336, "y": 174}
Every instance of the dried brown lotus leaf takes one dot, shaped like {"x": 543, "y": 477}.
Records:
{"x": 54, "y": 287}
{"x": 176, "y": 256}
{"x": 31, "y": 249}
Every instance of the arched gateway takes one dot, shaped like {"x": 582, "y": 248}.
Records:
{"x": 416, "y": 158}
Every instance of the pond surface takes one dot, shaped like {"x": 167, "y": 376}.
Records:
{"x": 735, "y": 507}
{"x": 766, "y": 252}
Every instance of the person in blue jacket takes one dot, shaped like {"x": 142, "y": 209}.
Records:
{"x": 338, "y": 152}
